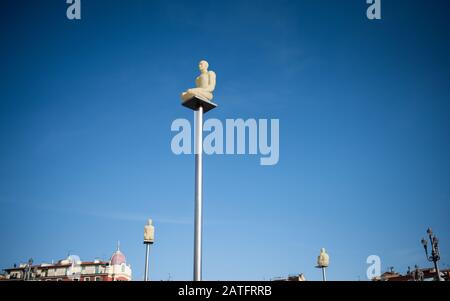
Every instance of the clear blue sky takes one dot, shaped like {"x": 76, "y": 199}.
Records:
{"x": 86, "y": 109}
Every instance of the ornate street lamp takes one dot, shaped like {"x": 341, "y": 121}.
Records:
{"x": 435, "y": 256}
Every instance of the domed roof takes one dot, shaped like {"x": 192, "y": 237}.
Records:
{"x": 118, "y": 257}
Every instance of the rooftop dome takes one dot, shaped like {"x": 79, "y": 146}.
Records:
{"x": 118, "y": 258}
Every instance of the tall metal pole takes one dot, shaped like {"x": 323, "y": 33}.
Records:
{"x": 198, "y": 195}
{"x": 324, "y": 277}
{"x": 147, "y": 254}
{"x": 436, "y": 267}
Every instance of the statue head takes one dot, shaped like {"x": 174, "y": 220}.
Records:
{"x": 203, "y": 66}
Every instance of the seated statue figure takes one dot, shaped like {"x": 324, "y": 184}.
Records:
{"x": 205, "y": 84}
{"x": 149, "y": 232}
{"x": 324, "y": 259}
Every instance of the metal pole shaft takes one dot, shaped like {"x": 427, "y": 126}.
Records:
{"x": 434, "y": 257}
{"x": 198, "y": 196}
{"x": 323, "y": 274}
{"x": 147, "y": 253}
{"x": 437, "y": 271}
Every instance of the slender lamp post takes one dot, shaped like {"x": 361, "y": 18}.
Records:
{"x": 435, "y": 256}
{"x": 149, "y": 239}
{"x": 323, "y": 260}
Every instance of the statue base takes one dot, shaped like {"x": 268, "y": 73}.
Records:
{"x": 195, "y": 102}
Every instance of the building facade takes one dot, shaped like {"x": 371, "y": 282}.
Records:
{"x": 427, "y": 274}
{"x": 73, "y": 269}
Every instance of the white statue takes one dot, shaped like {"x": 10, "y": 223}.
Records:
{"x": 205, "y": 84}
{"x": 149, "y": 232}
{"x": 323, "y": 260}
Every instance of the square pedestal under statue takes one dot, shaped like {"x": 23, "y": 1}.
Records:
{"x": 195, "y": 102}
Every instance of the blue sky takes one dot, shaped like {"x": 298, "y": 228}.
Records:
{"x": 86, "y": 108}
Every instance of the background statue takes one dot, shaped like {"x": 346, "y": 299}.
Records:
{"x": 149, "y": 232}
{"x": 205, "y": 84}
{"x": 323, "y": 259}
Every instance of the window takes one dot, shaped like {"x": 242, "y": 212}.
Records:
{"x": 87, "y": 278}
{"x": 98, "y": 279}
{"x": 97, "y": 269}
{"x": 123, "y": 268}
